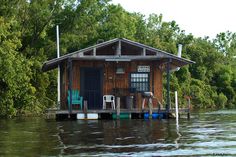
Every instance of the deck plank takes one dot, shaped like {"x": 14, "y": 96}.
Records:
{"x": 121, "y": 110}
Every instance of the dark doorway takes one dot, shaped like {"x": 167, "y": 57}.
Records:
{"x": 91, "y": 86}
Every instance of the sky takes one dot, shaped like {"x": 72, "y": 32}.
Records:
{"x": 199, "y": 17}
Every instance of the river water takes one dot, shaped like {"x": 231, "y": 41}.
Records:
{"x": 206, "y": 134}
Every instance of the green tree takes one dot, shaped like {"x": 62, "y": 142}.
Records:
{"x": 16, "y": 93}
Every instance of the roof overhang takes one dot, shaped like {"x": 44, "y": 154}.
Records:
{"x": 128, "y": 46}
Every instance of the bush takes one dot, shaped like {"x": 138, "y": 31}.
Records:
{"x": 221, "y": 101}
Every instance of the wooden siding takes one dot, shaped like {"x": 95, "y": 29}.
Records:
{"x": 111, "y": 80}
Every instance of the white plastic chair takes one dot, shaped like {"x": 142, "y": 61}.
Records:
{"x": 109, "y": 99}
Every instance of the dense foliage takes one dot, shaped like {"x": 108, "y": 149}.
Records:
{"x": 27, "y": 39}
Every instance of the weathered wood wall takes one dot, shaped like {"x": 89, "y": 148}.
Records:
{"x": 112, "y": 80}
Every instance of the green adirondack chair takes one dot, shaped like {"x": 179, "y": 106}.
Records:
{"x": 76, "y": 98}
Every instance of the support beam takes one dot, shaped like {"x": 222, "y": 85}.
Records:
{"x": 70, "y": 85}
{"x": 85, "y": 109}
{"x": 118, "y": 49}
{"x": 118, "y": 107}
{"x": 153, "y": 69}
{"x": 168, "y": 87}
{"x": 144, "y": 52}
{"x": 94, "y": 51}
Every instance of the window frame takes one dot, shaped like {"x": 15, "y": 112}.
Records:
{"x": 143, "y": 82}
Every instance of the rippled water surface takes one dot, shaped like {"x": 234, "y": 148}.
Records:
{"x": 210, "y": 133}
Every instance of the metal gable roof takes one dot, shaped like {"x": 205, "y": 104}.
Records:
{"x": 78, "y": 55}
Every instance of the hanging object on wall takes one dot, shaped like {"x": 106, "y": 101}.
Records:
{"x": 143, "y": 68}
{"x": 120, "y": 70}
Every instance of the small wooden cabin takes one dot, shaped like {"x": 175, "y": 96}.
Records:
{"x": 118, "y": 67}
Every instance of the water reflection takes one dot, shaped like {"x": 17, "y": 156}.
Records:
{"x": 120, "y": 135}
{"x": 27, "y": 137}
{"x": 178, "y": 133}
{"x": 211, "y": 133}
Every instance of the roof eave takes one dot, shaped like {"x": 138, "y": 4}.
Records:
{"x": 53, "y": 63}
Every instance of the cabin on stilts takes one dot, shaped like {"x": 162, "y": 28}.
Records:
{"x": 114, "y": 78}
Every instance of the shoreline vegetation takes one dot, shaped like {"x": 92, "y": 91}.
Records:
{"x": 27, "y": 39}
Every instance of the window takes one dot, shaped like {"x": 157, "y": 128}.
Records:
{"x": 139, "y": 82}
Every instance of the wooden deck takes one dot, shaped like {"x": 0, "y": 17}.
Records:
{"x": 121, "y": 111}
{"x": 109, "y": 113}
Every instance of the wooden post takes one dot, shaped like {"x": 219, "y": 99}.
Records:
{"x": 168, "y": 87}
{"x": 118, "y": 48}
{"x": 150, "y": 106}
{"x": 144, "y": 52}
{"x": 189, "y": 103}
{"x": 94, "y": 51}
{"x": 153, "y": 68}
{"x": 70, "y": 85}
{"x": 118, "y": 107}
{"x": 143, "y": 103}
{"x": 85, "y": 109}
{"x": 188, "y": 115}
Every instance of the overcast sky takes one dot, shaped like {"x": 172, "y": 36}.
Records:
{"x": 199, "y": 17}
